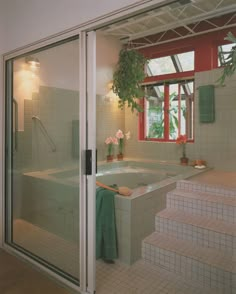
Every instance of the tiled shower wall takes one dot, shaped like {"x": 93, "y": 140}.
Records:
{"x": 56, "y": 108}
{"x": 213, "y": 142}
{"x": 109, "y": 119}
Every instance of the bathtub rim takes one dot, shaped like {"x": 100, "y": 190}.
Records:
{"x": 49, "y": 174}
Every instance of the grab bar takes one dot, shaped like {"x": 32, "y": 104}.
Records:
{"x": 16, "y": 124}
{"x": 45, "y": 132}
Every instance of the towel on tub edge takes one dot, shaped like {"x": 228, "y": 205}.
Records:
{"x": 106, "y": 237}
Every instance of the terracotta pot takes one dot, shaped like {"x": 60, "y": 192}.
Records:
{"x": 184, "y": 161}
{"x": 120, "y": 156}
{"x": 110, "y": 158}
{"x": 200, "y": 162}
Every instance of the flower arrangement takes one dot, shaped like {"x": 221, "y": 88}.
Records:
{"x": 110, "y": 142}
{"x": 182, "y": 140}
{"x": 120, "y": 137}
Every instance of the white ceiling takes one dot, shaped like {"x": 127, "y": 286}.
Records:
{"x": 186, "y": 14}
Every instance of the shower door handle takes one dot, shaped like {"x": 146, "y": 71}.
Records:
{"x": 88, "y": 160}
{"x": 15, "y": 124}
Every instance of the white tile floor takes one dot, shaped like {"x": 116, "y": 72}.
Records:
{"x": 118, "y": 278}
{"x": 143, "y": 278}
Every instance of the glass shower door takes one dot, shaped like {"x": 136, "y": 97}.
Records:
{"x": 43, "y": 156}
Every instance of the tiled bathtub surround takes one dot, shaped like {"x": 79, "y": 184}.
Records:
{"x": 134, "y": 215}
{"x": 196, "y": 238}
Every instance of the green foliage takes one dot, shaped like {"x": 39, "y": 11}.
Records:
{"x": 230, "y": 61}
{"x": 156, "y": 130}
{"x": 128, "y": 77}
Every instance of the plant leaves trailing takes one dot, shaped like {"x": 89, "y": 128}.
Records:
{"x": 230, "y": 60}
{"x": 127, "y": 79}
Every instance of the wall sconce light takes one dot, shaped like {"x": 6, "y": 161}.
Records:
{"x": 32, "y": 61}
{"x": 110, "y": 96}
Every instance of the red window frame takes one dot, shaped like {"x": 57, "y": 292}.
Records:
{"x": 205, "y": 47}
{"x": 143, "y": 115}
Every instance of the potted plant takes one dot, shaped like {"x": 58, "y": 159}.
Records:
{"x": 230, "y": 60}
{"x": 127, "y": 79}
{"x": 110, "y": 142}
{"x": 120, "y": 138}
{"x": 182, "y": 140}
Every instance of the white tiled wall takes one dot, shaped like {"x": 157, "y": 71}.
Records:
{"x": 109, "y": 120}
{"x": 56, "y": 109}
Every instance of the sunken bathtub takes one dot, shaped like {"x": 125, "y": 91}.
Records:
{"x": 135, "y": 215}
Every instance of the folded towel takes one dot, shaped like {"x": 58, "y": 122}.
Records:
{"x": 106, "y": 237}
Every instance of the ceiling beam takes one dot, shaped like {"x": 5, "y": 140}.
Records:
{"x": 183, "y": 37}
{"x": 187, "y": 21}
{"x": 147, "y": 15}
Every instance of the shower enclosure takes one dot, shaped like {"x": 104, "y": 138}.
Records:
{"x": 46, "y": 132}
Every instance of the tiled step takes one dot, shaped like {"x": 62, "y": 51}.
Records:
{"x": 202, "y": 203}
{"x": 206, "y": 188}
{"x": 208, "y": 266}
{"x": 204, "y": 231}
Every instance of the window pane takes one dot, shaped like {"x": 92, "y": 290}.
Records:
{"x": 43, "y": 175}
{"x": 185, "y": 89}
{"x": 180, "y": 110}
{"x": 154, "y": 112}
{"x": 171, "y": 64}
{"x": 186, "y": 60}
{"x": 187, "y": 95}
{"x": 223, "y": 52}
{"x": 160, "y": 66}
{"x": 173, "y": 111}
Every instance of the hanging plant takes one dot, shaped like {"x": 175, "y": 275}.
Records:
{"x": 230, "y": 60}
{"x": 128, "y": 77}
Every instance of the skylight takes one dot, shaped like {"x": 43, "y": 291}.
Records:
{"x": 171, "y": 64}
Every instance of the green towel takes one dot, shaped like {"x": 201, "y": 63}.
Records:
{"x": 106, "y": 238}
{"x": 206, "y": 104}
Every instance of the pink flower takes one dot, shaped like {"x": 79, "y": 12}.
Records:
{"x": 115, "y": 141}
{"x": 119, "y": 134}
{"x": 108, "y": 140}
